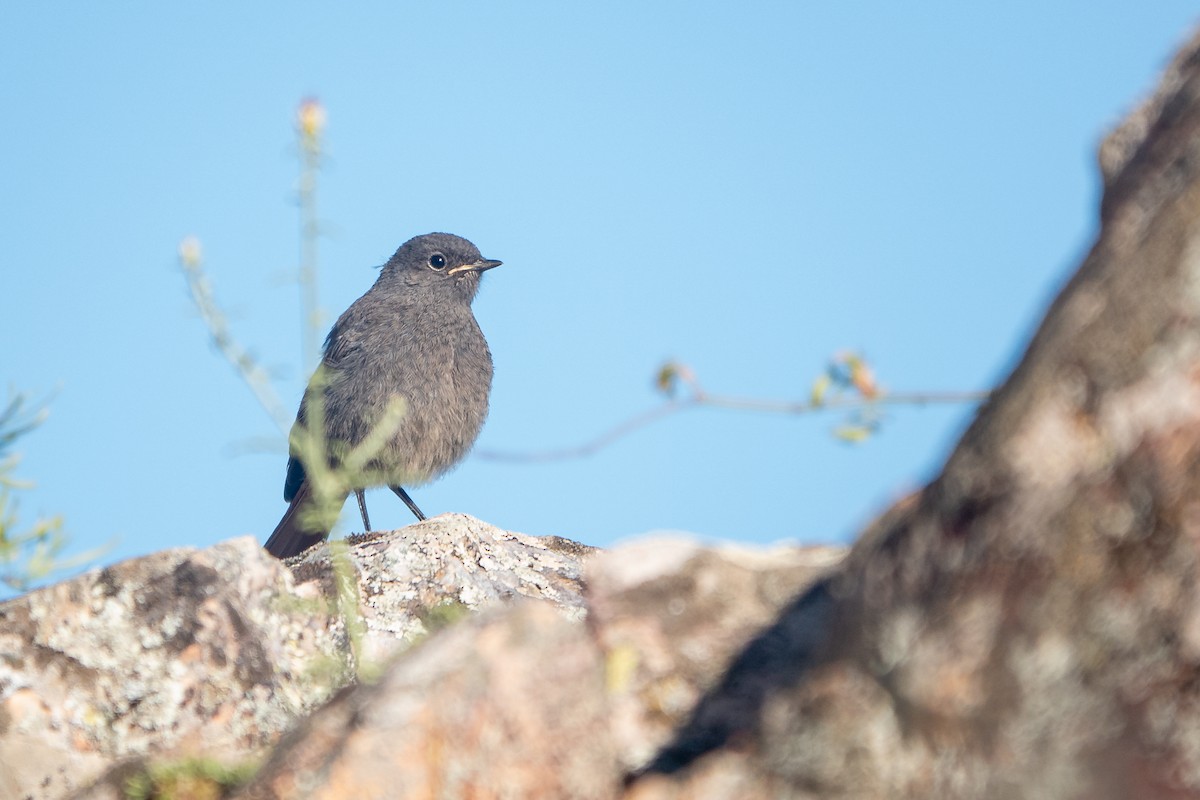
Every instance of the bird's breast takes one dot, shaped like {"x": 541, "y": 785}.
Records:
{"x": 443, "y": 375}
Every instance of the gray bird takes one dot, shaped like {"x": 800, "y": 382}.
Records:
{"x": 411, "y": 339}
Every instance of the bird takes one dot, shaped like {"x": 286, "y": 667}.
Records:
{"x": 400, "y": 394}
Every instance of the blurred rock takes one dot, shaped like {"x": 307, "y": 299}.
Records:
{"x": 513, "y": 701}
{"x": 1029, "y": 625}
{"x": 670, "y": 616}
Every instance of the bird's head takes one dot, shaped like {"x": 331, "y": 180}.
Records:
{"x": 438, "y": 262}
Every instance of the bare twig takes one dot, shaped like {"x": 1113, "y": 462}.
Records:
{"x": 841, "y": 402}
{"x": 866, "y": 396}
{"x": 253, "y": 373}
{"x": 588, "y": 448}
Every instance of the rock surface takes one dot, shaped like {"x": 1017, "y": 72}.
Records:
{"x": 533, "y": 704}
{"x": 220, "y": 650}
{"x": 179, "y": 649}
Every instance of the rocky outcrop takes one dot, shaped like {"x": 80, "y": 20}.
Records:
{"x": 218, "y": 651}
{"x": 527, "y": 703}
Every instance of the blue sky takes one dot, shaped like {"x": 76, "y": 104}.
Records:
{"x": 747, "y": 189}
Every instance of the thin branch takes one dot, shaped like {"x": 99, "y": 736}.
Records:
{"x": 252, "y": 373}
{"x": 840, "y": 402}
{"x": 699, "y": 397}
{"x": 619, "y": 431}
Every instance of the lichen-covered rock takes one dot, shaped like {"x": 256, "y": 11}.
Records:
{"x": 219, "y": 651}
{"x": 407, "y": 580}
{"x": 183, "y": 648}
{"x": 513, "y": 700}
{"x": 530, "y": 703}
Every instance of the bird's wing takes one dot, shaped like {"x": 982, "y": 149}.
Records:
{"x": 341, "y": 343}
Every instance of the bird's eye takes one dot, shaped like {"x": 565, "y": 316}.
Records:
{"x": 437, "y": 261}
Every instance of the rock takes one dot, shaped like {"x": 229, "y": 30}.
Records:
{"x": 533, "y": 704}
{"x": 670, "y": 616}
{"x": 219, "y": 651}
{"x": 181, "y": 649}
{"x": 1029, "y": 624}
{"x": 514, "y": 700}
{"x": 409, "y": 581}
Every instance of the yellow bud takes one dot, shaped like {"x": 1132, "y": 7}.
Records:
{"x": 310, "y": 117}
{"x": 820, "y": 389}
{"x": 852, "y": 433}
{"x": 667, "y": 375}
{"x": 189, "y": 251}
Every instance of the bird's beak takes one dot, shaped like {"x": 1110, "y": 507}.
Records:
{"x": 479, "y": 266}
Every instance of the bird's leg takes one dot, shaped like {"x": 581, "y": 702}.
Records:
{"x": 403, "y": 495}
{"x": 362, "y": 509}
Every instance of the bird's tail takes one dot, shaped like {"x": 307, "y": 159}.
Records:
{"x": 299, "y": 529}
